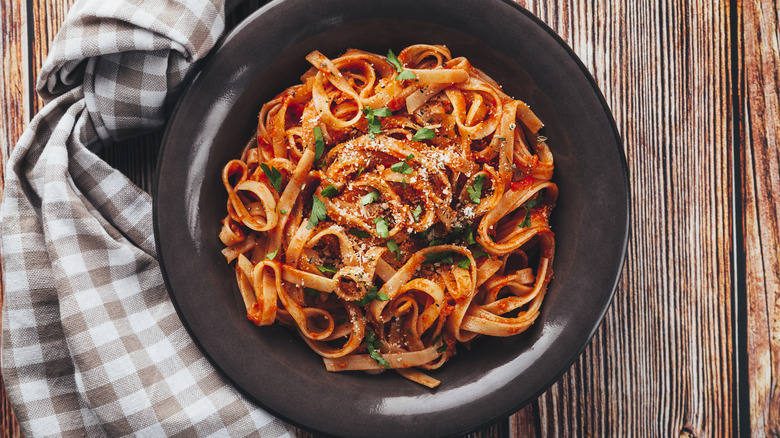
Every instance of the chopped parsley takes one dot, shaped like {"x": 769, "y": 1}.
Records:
{"x": 406, "y": 74}
{"x": 360, "y": 233}
{"x": 443, "y": 347}
{"x": 480, "y": 253}
{"x": 464, "y": 263}
{"x": 372, "y": 117}
{"x": 416, "y": 213}
{"x": 403, "y": 166}
{"x": 475, "y": 190}
{"x": 283, "y": 211}
{"x": 327, "y": 269}
{"x": 526, "y": 220}
{"x": 470, "y": 238}
{"x": 381, "y": 227}
{"x": 456, "y": 235}
{"x": 393, "y": 247}
{"x": 371, "y": 296}
{"x": 528, "y": 205}
{"x": 359, "y": 172}
{"x": 423, "y": 134}
{"x": 330, "y": 191}
{"x": 369, "y": 198}
{"x": 273, "y": 175}
{"x": 319, "y": 143}
{"x": 314, "y": 293}
{"x": 445, "y": 257}
{"x": 396, "y": 63}
{"x": 318, "y": 212}
{"x": 271, "y": 255}
{"x": 372, "y": 345}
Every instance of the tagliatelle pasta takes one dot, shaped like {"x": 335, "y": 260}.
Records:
{"x": 392, "y": 208}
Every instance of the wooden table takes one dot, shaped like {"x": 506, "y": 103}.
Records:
{"x": 691, "y": 344}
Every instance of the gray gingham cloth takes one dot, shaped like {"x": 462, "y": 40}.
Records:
{"x": 91, "y": 344}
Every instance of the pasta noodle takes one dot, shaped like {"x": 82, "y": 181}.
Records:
{"x": 391, "y": 208}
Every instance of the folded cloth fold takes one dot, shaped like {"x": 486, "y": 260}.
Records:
{"x": 91, "y": 342}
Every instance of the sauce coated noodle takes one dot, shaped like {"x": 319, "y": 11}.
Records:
{"x": 391, "y": 209}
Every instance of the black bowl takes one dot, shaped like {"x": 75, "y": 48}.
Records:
{"x": 218, "y": 114}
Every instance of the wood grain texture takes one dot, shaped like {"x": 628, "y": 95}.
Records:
{"x": 47, "y": 17}
{"x": 15, "y": 96}
{"x": 661, "y": 363}
{"x": 14, "y": 89}
{"x": 760, "y": 101}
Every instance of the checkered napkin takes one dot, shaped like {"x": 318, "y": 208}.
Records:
{"x": 91, "y": 342}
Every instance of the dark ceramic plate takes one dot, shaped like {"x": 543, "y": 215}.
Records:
{"x": 218, "y": 114}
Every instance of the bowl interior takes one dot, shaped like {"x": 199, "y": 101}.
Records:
{"x": 218, "y": 115}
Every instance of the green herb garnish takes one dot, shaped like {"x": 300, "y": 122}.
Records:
{"x": 319, "y": 143}
{"x": 327, "y": 269}
{"x": 475, "y": 190}
{"x": 273, "y": 175}
{"x": 393, "y": 247}
{"x": 271, "y": 255}
{"x": 360, "y": 233}
{"x": 372, "y": 117}
{"x": 283, "y": 211}
{"x": 381, "y": 227}
{"x": 526, "y": 220}
{"x": 445, "y": 257}
{"x": 436, "y": 242}
{"x": 416, "y": 213}
{"x": 480, "y": 253}
{"x": 312, "y": 292}
{"x": 372, "y": 345}
{"x": 330, "y": 191}
{"x": 372, "y": 295}
{"x": 528, "y": 205}
{"x": 318, "y": 212}
{"x": 369, "y": 198}
{"x": 424, "y": 134}
{"x": 396, "y": 63}
{"x": 470, "y": 238}
{"x": 403, "y": 166}
{"x": 405, "y": 75}
{"x": 464, "y": 263}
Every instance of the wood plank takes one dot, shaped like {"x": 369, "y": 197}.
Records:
{"x": 47, "y": 18}
{"x": 661, "y": 363}
{"x": 760, "y": 103}
{"x": 14, "y": 95}
{"x": 14, "y": 89}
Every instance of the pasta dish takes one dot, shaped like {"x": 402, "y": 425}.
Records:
{"x": 391, "y": 209}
